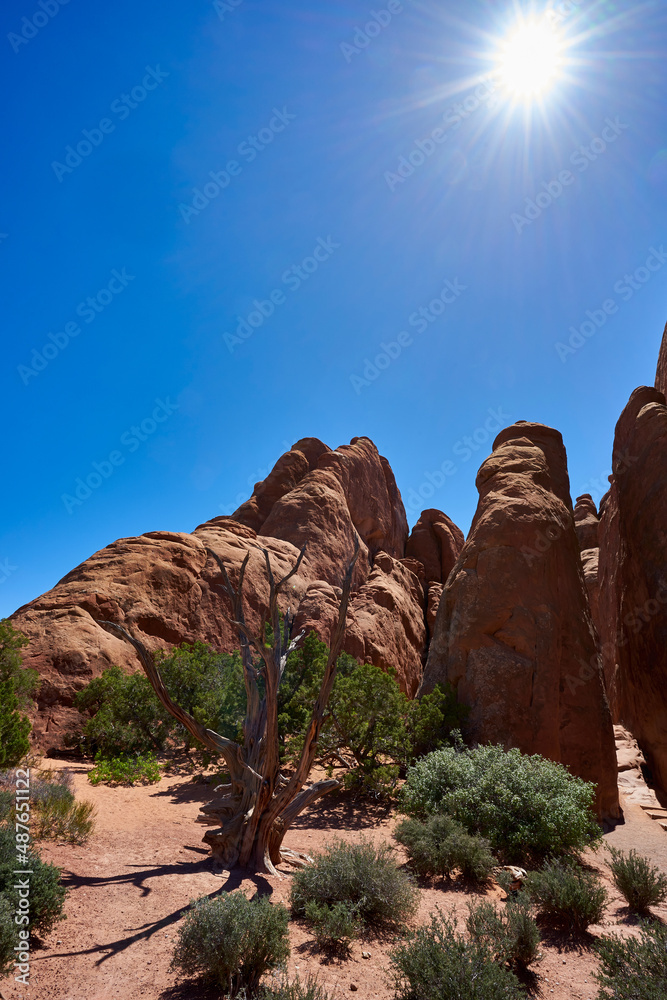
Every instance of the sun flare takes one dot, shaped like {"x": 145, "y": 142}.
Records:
{"x": 530, "y": 59}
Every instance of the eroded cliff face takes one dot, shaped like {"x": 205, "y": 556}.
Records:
{"x": 166, "y": 589}
{"x": 514, "y": 625}
{"x": 633, "y": 576}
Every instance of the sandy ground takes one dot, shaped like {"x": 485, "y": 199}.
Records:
{"x": 130, "y": 883}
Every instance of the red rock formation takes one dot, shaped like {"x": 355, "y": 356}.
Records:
{"x": 661, "y": 373}
{"x": 633, "y": 577}
{"x": 514, "y": 632}
{"x": 166, "y": 590}
{"x": 436, "y": 542}
{"x": 586, "y": 522}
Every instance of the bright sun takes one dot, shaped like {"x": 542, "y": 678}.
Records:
{"x": 530, "y": 59}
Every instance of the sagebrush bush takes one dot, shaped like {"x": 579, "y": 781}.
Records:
{"x": 512, "y": 936}
{"x": 310, "y": 989}
{"x": 440, "y": 846}
{"x": 17, "y": 685}
{"x": 439, "y": 963}
{"x": 137, "y": 770}
{"x": 233, "y": 941}
{"x": 641, "y": 883}
{"x": 55, "y": 811}
{"x": 335, "y": 926}
{"x": 567, "y": 895}
{"x": 47, "y": 895}
{"x": 8, "y": 936}
{"x": 634, "y": 968}
{"x": 528, "y": 807}
{"x": 363, "y": 876}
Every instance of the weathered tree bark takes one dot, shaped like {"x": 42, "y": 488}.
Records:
{"x": 253, "y": 813}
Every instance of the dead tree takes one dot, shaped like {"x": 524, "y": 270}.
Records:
{"x": 255, "y": 810}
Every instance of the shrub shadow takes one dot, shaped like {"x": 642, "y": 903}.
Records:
{"x": 191, "y": 989}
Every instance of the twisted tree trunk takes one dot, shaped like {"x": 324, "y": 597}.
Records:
{"x": 253, "y": 813}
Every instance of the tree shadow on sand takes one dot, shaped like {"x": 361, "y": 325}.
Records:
{"x": 231, "y": 881}
{"x": 343, "y": 811}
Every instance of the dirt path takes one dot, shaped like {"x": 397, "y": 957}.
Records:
{"x": 131, "y": 883}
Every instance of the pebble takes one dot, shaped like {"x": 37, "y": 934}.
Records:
{"x": 354, "y": 987}
{"x": 365, "y": 954}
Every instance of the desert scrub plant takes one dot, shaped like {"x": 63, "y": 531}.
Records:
{"x": 512, "y": 936}
{"x": 567, "y": 895}
{"x": 438, "y": 962}
{"x": 335, "y": 925}
{"x": 232, "y": 941}
{"x": 361, "y": 875}
{"x": 528, "y": 807}
{"x": 137, "y": 770}
{"x": 441, "y": 846}
{"x": 635, "y": 968}
{"x": 310, "y": 989}
{"x": 639, "y": 882}
{"x": 56, "y": 813}
{"x": 8, "y": 936}
{"x": 47, "y": 895}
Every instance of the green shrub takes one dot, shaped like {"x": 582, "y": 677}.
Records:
{"x": 441, "y": 845}
{"x": 335, "y": 925}
{"x": 8, "y": 936}
{"x": 641, "y": 883}
{"x": 47, "y": 895}
{"x": 635, "y": 968}
{"x": 512, "y": 936}
{"x": 296, "y": 990}
{"x": 528, "y": 807}
{"x": 125, "y": 770}
{"x": 6, "y": 806}
{"x": 126, "y": 717}
{"x": 363, "y": 876}
{"x": 567, "y": 895}
{"x": 17, "y": 685}
{"x": 232, "y": 941}
{"x": 438, "y": 963}
{"x": 433, "y": 718}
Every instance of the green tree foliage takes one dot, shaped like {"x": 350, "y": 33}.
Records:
{"x": 126, "y": 717}
{"x": 17, "y": 686}
{"x": 528, "y": 807}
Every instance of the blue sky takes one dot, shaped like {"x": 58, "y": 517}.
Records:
{"x": 212, "y": 268}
